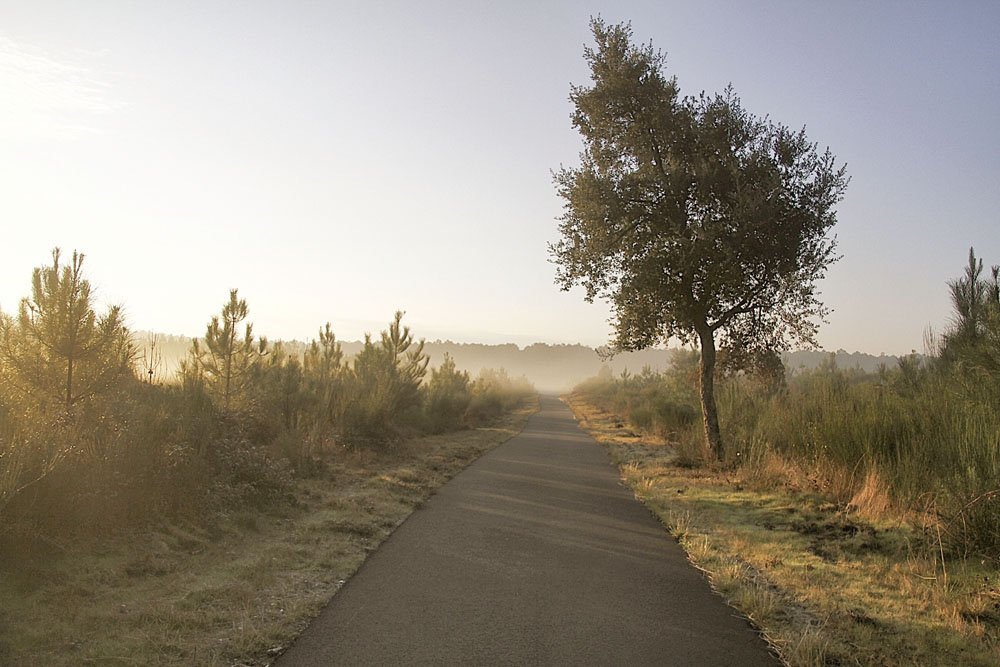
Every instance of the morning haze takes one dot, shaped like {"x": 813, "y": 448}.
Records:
{"x": 550, "y": 368}
{"x": 499, "y": 333}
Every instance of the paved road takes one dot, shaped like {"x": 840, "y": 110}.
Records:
{"x": 534, "y": 555}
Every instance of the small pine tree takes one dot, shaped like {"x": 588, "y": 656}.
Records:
{"x": 975, "y": 301}
{"x": 384, "y": 382}
{"x": 448, "y": 395}
{"x": 281, "y": 388}
{"x": 408, "y": 361}
{"x": 972, "y": 345}
{"x": 57, "y": 350}
{"x": 226, "y": 361}
{"x": 324, "y": 375}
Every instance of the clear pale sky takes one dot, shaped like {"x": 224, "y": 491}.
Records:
{"x": 337, "y": 161}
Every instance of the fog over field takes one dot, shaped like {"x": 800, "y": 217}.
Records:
{"x": 551, "y": 368}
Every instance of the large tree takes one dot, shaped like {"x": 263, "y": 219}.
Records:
{"x": 696, "y": 219}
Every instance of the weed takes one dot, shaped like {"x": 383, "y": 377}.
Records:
{"x": 758, "y": 603}
{"x": 679, "y": 524}
{"x": 698, "y": 549}
{"x": 810, "y": 649}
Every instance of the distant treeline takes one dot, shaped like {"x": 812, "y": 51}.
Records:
{"x": 548, "y": 367}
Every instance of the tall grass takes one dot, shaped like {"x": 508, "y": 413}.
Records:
{"x": 923, "y": 437}
{"x": 914, "y": 437}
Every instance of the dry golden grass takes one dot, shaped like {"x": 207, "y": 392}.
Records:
{"x": 818, "y": 561}
{"x": 234, "y": 595}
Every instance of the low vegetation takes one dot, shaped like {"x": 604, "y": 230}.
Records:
{"x": 235, "y": 591}
{"x": 100, "y": 454}
{"x": 825, "y": 584}
{"x": 854, "y": 515}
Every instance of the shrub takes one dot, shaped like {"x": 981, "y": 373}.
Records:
{"x": 382, "y": 389}
{"x": 448, "y": 397}
{"x": 493, "y": 393}
{"x": 641, "y": 417}
{"x": 245, "y": 476}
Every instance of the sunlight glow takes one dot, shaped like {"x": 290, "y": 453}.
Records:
{"x": 47, "y": 95}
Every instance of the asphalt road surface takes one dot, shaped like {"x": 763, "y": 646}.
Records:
{"x": 534, "y": 555}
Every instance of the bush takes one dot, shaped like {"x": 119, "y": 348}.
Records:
{"x": 641, "y": 417}
{"x": 382, "y": 390}
{"x": 494, "y": 393}
{"x": 673, "y": 417}
{"x": 448, "y": 397}
{"x": 245, "y": 476}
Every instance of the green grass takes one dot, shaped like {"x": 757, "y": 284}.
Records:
{"x": 237, "y": 592}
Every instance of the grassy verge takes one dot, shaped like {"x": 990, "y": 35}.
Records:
{"x": 235, "y": 594}
{"x": 824, "y": 586}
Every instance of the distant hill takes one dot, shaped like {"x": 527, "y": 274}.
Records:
{"x": 549, "y": 367}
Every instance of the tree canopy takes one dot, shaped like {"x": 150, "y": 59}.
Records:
{"x": 695, "y": 218}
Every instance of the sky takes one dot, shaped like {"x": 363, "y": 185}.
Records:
{"x": 339, "y": 161}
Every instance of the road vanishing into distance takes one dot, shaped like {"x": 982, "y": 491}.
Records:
{"x": 536, "y": 554}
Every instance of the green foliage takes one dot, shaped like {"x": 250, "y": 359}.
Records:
{"x": 62, "y": 372}
{"x": 325, "y": 376}
{"x": 246, "y": 475}
{"x": 692, "y": 216}
{"x": 971, "y": 347}
{"x": 975, "y": 301}
{"x": 281, "y": 390}
{"x": 664, "y": 404}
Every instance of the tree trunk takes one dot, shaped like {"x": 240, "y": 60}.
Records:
{"x": 708, "y": 410}
{"x": 231, "y": 343}
{"x": 69, "y": 383}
